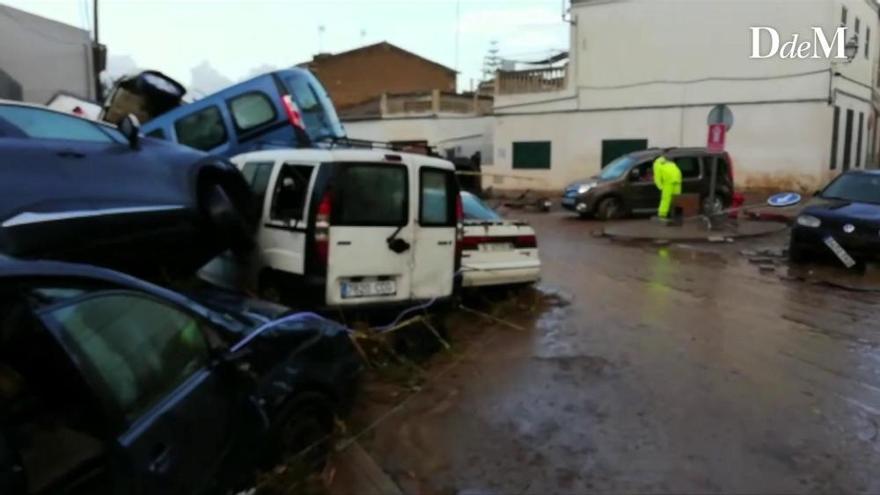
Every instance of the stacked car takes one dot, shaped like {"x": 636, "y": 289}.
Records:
{"x": 111, "y": 384}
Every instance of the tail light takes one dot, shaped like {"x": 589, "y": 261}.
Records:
{"x": 322, "y": 228}
{"x": 293, "y": 113}
{"x": 525, "y": 242}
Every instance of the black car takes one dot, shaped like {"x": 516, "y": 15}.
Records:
{"x": 626, "y": 185}
{"x": 77, "y": 190}
{"x": 111, "y": 385}
{"x": 847, "y": 212}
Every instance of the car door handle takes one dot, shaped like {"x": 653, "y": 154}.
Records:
{"x": 160, "y": 459}
{"x": 71, "y": 154}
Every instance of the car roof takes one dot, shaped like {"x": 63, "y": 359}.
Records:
{"x": 674, "y": 152}
{"x": 341, "y": 155}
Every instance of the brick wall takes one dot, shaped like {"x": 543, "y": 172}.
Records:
{"x": 355, "y": 76}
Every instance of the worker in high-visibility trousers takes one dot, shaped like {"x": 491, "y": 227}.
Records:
{"x": 667, "y": 178}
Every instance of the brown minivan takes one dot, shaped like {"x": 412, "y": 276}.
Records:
{"x": 626, "y": 187}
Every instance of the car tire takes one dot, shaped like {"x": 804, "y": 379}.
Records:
{"x": 610, "y": 208}
{"x": 305, "y": 429}
{"x": 721, "y": 203}
{"x": 229, "y": 223}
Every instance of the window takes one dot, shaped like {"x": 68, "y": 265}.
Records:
{"x": 437, "y": 209}
{"x": 43, "y": 124}
{"x": 531, "y": 155}
{"x": 847, "y": 140}
{"x": 646, "y": 171}
{"x": 257, "y": 174}
{"x": 860, "y": 141}
{"x": 251, "y": 110}
{"x": 843, "y": 16}
{"x": 868, "y": 43}
{"x": 134, "y": 349}
{"x": 475, "y": 209}
{"x": 835, "y": 133}
{"x": 858, "y": 26}
{"x": 202, "y": 130}
{"x": 157, "y": 134}
{"x": 291, "y": 189}
{"x": 318, "y": 112}
{"x": 374, "y": 195}
{"x": 689, "y": 166}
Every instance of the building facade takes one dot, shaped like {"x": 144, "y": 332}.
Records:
{"x": 364, "y": 73}
{"x": 40, "y": 57}
{"x": 647, "y": 73}
{"x": 457, "y": 125}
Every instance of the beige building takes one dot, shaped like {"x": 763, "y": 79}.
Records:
{"x": 358, "y": 75}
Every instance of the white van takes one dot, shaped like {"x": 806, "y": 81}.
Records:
{"x": 348, "y": 227}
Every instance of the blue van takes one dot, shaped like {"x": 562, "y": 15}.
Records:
{"x": 286, "y": 108}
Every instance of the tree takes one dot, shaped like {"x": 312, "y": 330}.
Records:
{"x": 492, "y": 61}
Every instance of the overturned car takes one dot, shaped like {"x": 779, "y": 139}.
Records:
{"x": 78, "y": 190}
{"x": 112, "y": 385}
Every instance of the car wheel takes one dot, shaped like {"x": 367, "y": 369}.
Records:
{"x": 714, "y": 206}
{"x": 306, "y": 429}
{"x": 230, "y": 224}
{"x": 610, "y": 208}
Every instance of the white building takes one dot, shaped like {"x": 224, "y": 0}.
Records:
{"x": 648, "y": 72}
{"x": 455, "y": 124}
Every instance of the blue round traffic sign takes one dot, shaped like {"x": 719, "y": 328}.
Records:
{"x": 784, "y": 199}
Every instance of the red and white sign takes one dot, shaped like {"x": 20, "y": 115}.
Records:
{"x": 717, "y": 137}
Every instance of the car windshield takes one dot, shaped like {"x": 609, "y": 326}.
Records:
{"x": 475, "y": 209}
{"x": 863, "y": 188}
{"x": 318, "y": 112}
{"x": 617, "y": 168}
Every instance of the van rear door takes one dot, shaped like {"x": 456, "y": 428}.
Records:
{"x": 434, "y": 252}
{"x": 370, "y": 236}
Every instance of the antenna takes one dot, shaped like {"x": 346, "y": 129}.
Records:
{"x": 321, "y": 30}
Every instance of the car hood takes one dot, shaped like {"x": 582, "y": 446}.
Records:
{"x": 837, "y": 208}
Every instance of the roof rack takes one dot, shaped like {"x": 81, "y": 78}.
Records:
{"x": 418, "y": 147}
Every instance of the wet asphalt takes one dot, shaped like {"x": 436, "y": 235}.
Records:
{"x": 653, "y": 369}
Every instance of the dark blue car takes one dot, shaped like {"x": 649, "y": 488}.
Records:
{"x": 111, "y": 385}
{"x": 846, "y": 214}
{"x": 78, "y": 190}
{"x": 286, "y": 108}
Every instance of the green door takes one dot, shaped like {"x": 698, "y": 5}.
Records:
{"x": 615, "y": 148}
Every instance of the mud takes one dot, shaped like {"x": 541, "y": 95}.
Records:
{"x": 649, "y": 369}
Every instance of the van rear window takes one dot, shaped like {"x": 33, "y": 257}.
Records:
{"x": 371, "y": 195}
{"x": 318, "y": 112}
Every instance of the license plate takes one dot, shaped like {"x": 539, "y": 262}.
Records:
{"x": 841, "y": 253}
{"x": 568, "y": 201}
{"x": 373, "y": 288}
{"x": 495, "y": 247}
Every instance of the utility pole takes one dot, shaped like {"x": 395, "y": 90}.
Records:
{"x": 98, "y": 56}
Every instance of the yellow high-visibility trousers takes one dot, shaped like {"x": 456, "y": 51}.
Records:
{"x": 667, "y": 195}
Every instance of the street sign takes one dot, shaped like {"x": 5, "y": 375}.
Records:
{"x": 717, "y": 137}
{"x": 782, "y": 200}
{"x": 720, "y": 114}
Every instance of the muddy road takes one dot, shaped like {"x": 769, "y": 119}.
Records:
{"x": 652, "y": 369}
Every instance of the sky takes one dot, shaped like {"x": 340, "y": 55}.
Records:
{"x": 209, "y": 43}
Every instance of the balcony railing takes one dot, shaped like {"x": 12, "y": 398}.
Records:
{"x": 531, "y": 81}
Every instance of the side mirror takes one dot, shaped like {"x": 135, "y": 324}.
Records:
{"x": 130, "y": 127}
{"x": 634, "y": 175}
{"x": 818, "y": 192}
